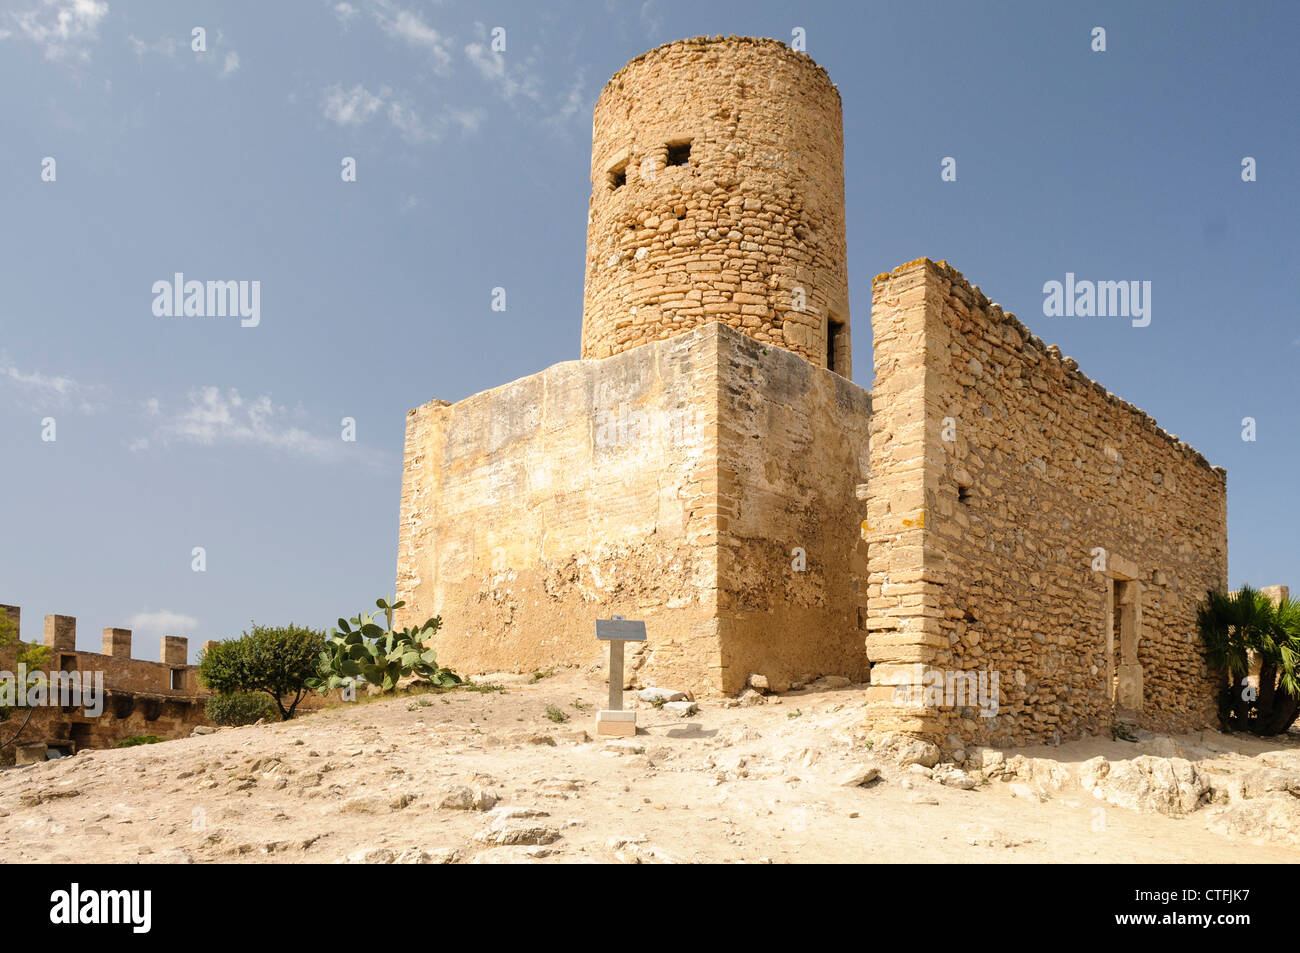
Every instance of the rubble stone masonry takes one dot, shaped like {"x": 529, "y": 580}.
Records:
{"x": 748, "y": 230}
{"x": 710, "y": 468}
{"x": 1023, "y": 520}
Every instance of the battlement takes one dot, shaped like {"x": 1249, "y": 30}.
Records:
{"x": 141, "y": 697}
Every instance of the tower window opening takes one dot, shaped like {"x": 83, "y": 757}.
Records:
{"x": 618, "y": 176}
{"x": 836, "y": 359}
{"x": 679, "y": 153}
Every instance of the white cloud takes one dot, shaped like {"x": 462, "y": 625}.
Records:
{"x": 351, "y": 107}
{"x": 64, "y": 28}
{"x": 162, "y": 622}
{"x": 495, "y": 68}
{"x": 49, "y": 391}
{"x": 519, "y": 81}
{"x": 356, "y": 106}
{"x": 214, "y": 417}
{"x": 230, "y": 64}
{"x": 410, "y": 27}
{"x": 164, "y": 46}
{"x": 345, "y": 12}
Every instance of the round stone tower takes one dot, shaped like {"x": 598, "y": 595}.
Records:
{"x": 717, "y": 194}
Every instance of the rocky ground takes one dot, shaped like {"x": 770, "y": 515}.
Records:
{"x": 518, "y": 775}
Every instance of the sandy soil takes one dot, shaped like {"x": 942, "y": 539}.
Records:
{"x": 367, "y": 781}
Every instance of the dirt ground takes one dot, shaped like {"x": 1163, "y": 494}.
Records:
{"x": 367, "y": 782}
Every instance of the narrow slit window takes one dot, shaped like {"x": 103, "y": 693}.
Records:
{"x": 679, "y": 153}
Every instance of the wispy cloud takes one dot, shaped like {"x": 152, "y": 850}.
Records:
{"x": 163, "y": 46}
{"x": 63, "y": 28}
{"x": 358, "y": 105}
{"x": 518, "y": 80}
{"x": 225, "y": 61}
{"x": 214, "y": 417}
{"x": 409, "y": 27}
{"x": 45, "y": 392}
{"x": 352, "y": 107}
{"x": 346, "y": 12}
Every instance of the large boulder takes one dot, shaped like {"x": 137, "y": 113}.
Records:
{"x": 1146, "y": 784}
{"x": 903, "y": 749}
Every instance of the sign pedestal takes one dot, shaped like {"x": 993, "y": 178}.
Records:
{"x": 620, "y": 724}
{"x": 614, "y": 720}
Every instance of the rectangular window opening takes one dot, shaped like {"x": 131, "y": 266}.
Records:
{"x": 679, "y": 153}
{"x": 836, "y": 359}
{"x": 618, "y": 176}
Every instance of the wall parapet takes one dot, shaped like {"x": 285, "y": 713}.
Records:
{"x": 1047, "y": 352}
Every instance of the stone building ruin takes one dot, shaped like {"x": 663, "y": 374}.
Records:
{"x": 710, "y": 466}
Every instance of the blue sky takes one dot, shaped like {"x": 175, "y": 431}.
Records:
{"x": 176, "y": 433}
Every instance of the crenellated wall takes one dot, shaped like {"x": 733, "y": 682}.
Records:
{"x": 141, "y": 698}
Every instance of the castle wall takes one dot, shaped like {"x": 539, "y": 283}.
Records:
{"x": 667, "y": 483}
{"x": 141, "y": 697}
{"x": 1059, "y": 538}
{"x": 530, "y": 510}
{"x": 749, "y": 232}
{"x": 792, "y": 445}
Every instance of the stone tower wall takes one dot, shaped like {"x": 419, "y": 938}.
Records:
{"x": 749, "y": 232}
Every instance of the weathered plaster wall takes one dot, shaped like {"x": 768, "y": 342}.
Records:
{"x": 792, "y": 445}
{"x": 667, "y": 483}
{"x": 530, "y": 510}
{"x": 984, "y": 548}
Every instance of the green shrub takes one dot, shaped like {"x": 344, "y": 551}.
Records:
{"x": 381, "y": 656}
{"x": 555, "y": 714}
{"x": 138, "y": 740}
{"x": 275, "y": 660}
{"x": 239, "y": 708}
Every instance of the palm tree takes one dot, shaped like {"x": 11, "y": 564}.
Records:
{"x": 1240, "y": 629}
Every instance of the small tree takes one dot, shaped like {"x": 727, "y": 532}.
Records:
{"x": 30, "y": 654}
{"x": 1240, "y": 629}
{"x": 277, "y": 660}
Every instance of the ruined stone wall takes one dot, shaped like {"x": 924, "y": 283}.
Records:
{"x": 750, "y": 231}
{"x": 1001, "y": 549}
{"x": 667, "y": 483}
